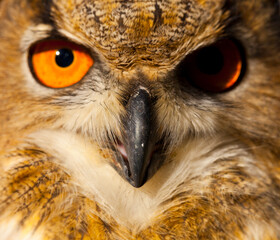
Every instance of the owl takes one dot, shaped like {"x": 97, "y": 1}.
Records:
{"x": 134, "y": 120}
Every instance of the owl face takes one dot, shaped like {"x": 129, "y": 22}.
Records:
{"x": 132, "y": 86}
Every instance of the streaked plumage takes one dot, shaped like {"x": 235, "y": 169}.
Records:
{"x": 214, "y": 165}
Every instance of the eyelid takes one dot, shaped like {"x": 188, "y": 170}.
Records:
{"x": 35, "y": 34}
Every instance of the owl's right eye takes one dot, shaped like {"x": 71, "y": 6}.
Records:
{"x": 59, "y": 63}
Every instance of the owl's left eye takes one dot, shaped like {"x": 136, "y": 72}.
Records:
{"x": 59, "y": 63}
{"x": 215, "y": 68}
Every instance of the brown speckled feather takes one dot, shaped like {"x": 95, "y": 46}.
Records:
{"x": 219, "y": 174}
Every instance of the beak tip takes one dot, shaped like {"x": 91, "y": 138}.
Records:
{"x": 136, "y": 184}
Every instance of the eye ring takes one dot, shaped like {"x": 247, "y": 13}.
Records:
{"x": 216, "y": 68}
{"x": 57, "y": 63}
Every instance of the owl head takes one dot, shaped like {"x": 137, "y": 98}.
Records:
{"x": 140, "y": 87}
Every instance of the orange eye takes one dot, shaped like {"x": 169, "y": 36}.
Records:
{"x": 59, "y": 63}
{"x": 215, "y": 68}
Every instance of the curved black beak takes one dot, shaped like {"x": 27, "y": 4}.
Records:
{"x": 138, "y": 140}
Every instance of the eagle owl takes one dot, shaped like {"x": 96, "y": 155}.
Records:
{"x": 155, "y": 119}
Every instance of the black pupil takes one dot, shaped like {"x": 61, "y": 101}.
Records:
{"x": 64, "y": 57}
{"x": 210, "y": 60}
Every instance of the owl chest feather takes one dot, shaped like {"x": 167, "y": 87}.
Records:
{"x": 46, "y": 198}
